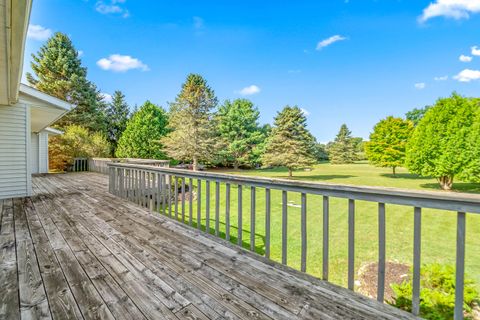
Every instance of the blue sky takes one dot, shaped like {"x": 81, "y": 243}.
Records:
{"x": 345, "y": 61}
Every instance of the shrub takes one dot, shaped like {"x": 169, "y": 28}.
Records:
{"x": 437, "y": 292}
{"x": 76, "y": 142}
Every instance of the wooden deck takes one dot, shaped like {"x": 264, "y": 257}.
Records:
{"x": 75, "y": 251}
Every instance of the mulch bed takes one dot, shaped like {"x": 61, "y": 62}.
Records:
{"x": 394, "y": 273}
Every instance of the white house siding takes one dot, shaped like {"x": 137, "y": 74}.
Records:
{"x": 35, "y": 152}
{"x": 43, "y": 152}
{"x": 15, "y": 180}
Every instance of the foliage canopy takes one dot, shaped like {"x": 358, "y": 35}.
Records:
{"x": 388, "y": 141}
{"x": 439, "y": 146}
{"x": 290, "y": 144}
{"x": 141, "y": 138}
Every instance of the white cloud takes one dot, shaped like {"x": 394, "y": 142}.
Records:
{"x": 475, "y": 51}
{"x": 305, "y": 112}
{"x": 112, "y": 7}
{"x": 465, "y": 58}
{"x": 455, "y": 9}
{"x": 80, "y": 53}
{"x": 248, "y": 91}
{"x": 441, "y": 78}
{"x": 467, "y": 75}
{"x": 121, "y": 63}
{"x": 107, "y": 97}
{"x": 419, "y": 85}
{"x": 326, "y": 42}
{"x": 39, "y": 33}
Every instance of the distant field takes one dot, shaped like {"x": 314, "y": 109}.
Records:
{"x": 438, "y": 227}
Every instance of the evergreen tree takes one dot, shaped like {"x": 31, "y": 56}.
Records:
{"x": 388, "y": 141}
{"x": 141, "y": 138}
{"x": 58, "y": 71}
{"x": 290, "y": 144}
{"x": 192, "y": 136}
{"x": 116, "y": 118}
{"x": 343, "y": 149}
{"x": 237, "y": 124}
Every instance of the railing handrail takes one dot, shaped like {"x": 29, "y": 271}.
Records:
{"x": 462, "y": 202}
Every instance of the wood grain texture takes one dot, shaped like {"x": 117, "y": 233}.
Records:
{"x": 74, "y": 251}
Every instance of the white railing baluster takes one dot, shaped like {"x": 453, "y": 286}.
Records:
{"x": 176, "y": 197}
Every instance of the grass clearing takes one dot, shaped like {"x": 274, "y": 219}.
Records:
{"x": 438, "y": 227}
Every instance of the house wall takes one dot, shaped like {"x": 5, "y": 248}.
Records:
{"x": 15, "y": 177}
{"x": 35, "y": 151}
{"x": 43, "y": 152}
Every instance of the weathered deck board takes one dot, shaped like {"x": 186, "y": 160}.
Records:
{"x": 74, "y": 251}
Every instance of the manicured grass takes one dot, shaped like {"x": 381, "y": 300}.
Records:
{"x": 438, "y": 227}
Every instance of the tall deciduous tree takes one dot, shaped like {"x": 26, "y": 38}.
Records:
{"x": 116, "y": 118}
{"x": 141, "y": 138}
{"x": 58, "y": 71}
{"x": 237, "y": 124}
{"x": 290, "y": 144}
{"x": 342, "y": 150}
{"x": 388, "y": 141}
{"x": 191, "y": 121}
{"x": 439, "y": 146}
{"x": 416, "y": 114}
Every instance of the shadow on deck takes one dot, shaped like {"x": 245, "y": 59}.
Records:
{"x": 75, "y": 251}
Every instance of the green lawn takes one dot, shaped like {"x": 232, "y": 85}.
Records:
{"x": 438, "y": 227}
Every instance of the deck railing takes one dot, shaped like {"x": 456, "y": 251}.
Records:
{"x": 167, "y": 190}
{"x": 100, "y": 164}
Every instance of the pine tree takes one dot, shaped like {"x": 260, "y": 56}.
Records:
{"x": 192, "y": 136}
{"x": 290, "y": 144}
{"x": 343, "y": 149}
{"x": 116, "y": 118}
{"x": 59, "y": 72}
{"x": 238, "y": 127}
{"x": 141, "y": 138}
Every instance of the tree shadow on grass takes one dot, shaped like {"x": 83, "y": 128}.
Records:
{"x": 409, "y": 176}
{"x": 321, "y": 177}
{"x": 457, "y": 187}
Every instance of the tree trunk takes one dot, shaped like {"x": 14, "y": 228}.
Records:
{"x": 393, "y": 169}
{"x": 446, "y": 182}
{"x": 195, "y": 164}
{"x": 235, "y": 165}
{"x": 290, "y": 172}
